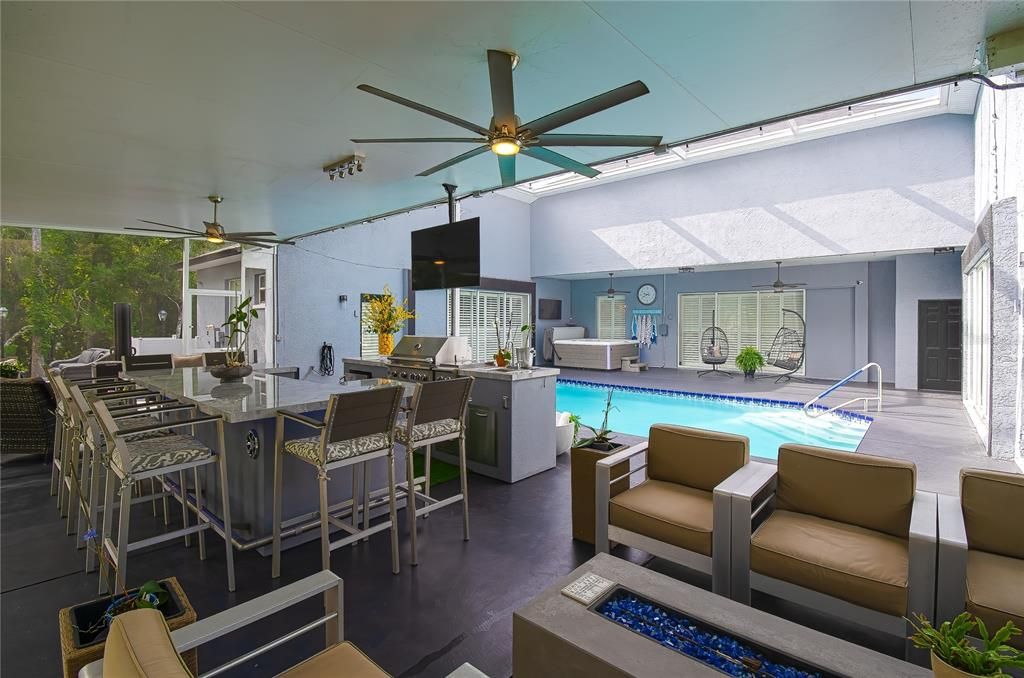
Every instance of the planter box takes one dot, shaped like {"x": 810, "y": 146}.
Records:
{"x": 583, "y": 478}
{"x": 79, "y": 648}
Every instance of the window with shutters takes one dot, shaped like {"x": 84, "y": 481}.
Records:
{"x": 367, "y": 337}
{"x": 611, "y": 317}
{"x": 472, "y": 313}
{"x": 748, "y": 319}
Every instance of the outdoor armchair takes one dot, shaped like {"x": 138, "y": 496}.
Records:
{"x": 843, "y": 533}
{"x": 80, "y": 365}
{"x": 981, "y": 550}
{"x": 139, "y": 643}
{"x": 676, "y": 512}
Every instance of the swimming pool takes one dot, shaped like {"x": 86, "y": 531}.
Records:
{"x": 767, "y": 423}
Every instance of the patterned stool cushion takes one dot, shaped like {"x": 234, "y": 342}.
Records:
{"x": 308, "y": 449}
{"x": 165, "y": 451}
{"x": 430, "y": 429}
{"x": 143, "y": 420}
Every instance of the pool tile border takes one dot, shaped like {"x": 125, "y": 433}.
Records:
{"x": 718, "y": 397}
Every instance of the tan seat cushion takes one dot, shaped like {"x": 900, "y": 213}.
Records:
{"x": 995, "y": 591}
{"x": 670, "y": 513}
{"x": 694, "y": 457}
{"x": 139, "y": 646}
{"x": 988, "y": 497}
{"x": 876, "y": 493}
{"x": 344, "y": 659}
{"x": 854, "y": 564}
{"x": 186, "y": 360}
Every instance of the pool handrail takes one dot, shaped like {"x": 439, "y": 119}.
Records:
{"x": 814, "y": 413}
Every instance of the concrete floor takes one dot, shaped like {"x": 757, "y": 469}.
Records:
{"x": 929, "y": 428}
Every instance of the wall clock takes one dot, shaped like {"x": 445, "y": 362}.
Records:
{"x": 647, "y": 294}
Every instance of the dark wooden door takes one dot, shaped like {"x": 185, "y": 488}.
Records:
{"x": 939, "y": 345}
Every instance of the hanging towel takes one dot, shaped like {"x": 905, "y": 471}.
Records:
{"x": 645, "y": 330}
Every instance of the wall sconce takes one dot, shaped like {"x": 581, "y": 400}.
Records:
{"x": 342, "y": 298}
{"x": 347, "y": 166}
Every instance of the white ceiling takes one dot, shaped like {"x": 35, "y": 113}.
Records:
{"x": 118, "y": 111}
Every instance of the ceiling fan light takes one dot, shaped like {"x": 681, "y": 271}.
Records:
{"x": 505, "y": 145}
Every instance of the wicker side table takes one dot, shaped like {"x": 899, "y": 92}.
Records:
{"x": 74, "y": 658}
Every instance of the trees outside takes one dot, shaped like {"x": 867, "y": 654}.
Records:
{"x": 60, "y": 297}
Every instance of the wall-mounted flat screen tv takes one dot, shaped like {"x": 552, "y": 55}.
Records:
{"x": 446, "y": 256}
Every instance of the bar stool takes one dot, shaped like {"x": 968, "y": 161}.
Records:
{"x": 437, "y": 413}
{"x": 95, "y": 460}
{"x": 357, "y": 428}
{"x": 131, "y": 460}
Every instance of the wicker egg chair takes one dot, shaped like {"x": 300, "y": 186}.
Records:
{"x": 714, "y": 350}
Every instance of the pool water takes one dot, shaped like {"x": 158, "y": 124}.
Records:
{"x": 766, "y": 423}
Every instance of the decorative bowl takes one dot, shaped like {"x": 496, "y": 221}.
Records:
{"x": 228, "y": 373}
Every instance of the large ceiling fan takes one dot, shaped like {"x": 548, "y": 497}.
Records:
{"x": 213, "y": 231}
{"x": 611, "y": 291}
{"x": 506, "y": 136}
{"x": 778, "y": 286}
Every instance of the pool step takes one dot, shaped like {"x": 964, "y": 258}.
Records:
{"x": 633, "y": 365}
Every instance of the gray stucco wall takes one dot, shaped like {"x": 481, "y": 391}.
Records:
{"x": 919, "y": 276}
{"x": 899, "y": 187}
{"x": 882, "y": 316}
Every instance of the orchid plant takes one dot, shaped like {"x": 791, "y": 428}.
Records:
{"x": 237, "y": 326}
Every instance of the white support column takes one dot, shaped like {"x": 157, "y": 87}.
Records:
{"x": 186, "y": 299}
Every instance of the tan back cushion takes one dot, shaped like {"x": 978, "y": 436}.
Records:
{"x": 187, "y": 360}
{"x": 694, "y": 457}
{"x": 139, "y": 646}
{"x": 993, "y": 503}
{"x": 876, "y": 493}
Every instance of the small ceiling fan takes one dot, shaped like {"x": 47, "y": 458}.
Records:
{"x": 778, "y": 286}
{"x": 506, "y": 136}
{"x": 213, "y": 231}
{"x": 611, "y": 291}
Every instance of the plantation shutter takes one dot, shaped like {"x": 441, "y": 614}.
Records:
{"x": 367, "y": 337}
{"x": 475, "y": 312}
{"x": 696, "y": 314}
{"x": 611, "y": 317}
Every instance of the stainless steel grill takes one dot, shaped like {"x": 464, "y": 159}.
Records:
{"x": 417, "y": 358}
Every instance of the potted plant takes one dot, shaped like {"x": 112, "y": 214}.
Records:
{"x": 385, "y": 318}
{"x": 955, "y": 656}
{"x": 749, "y": 360}
{"x": 237, "y": 324}
{"x": 583, "y": 458}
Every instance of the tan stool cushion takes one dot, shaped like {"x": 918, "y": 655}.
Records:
{"x": 163, "y": 451}
{"x": 425, "y": 431}
{"x": 308, "y": 449}
{"x": 876, "y": 493}
{"x": 857, "y": 565}
{"x": 995, "y": 591}
{"x": 186, "y": 360}
{"x": 694, "y": 457}
{"x": 344, "y": 659}
{"x": 988, "y": 497}
{"x": 139, "y": 646}
{"x": 674, "y": 514}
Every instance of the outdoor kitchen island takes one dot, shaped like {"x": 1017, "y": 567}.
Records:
{"x": 511, "y": 420}
{"x": 249, "y": 409}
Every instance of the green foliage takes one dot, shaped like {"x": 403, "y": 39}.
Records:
{"x": 63, "y": 293}
{"x": 602, "y": 436}
{"x": 238, "y": 331}
{"x": 152, "y": 594}
{"x": 11, "y": 369}
{"x": 949, "y": 642}
{"x": 749, "y": 359}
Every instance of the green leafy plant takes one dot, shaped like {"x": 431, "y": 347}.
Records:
{"x": 949, "y": 643}
{"x": 11, "y": 369}
{"x": 749, "y": 360}
{"x": 237, "y": 325}
{"x": 602, "y": 436}
{"x": 527, "y": 331}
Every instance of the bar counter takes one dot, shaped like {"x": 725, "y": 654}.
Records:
{"x": 249, "y": 407}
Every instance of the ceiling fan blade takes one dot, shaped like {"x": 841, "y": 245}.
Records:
{"x": 499, "y": 64}
{"x": 465, "y": 124}
{"x": 559, "y": 160}
{"x": 423, "y": 140}
{"x": 598, "y": 140}
{"x": 157, "y": 223}
{"x": 507, "y": 165}
{"x": 794, "y": 284}
{"x": 457, "y": 159}
{"x": 593, "y": 105}
{"x": 771, "y": 285}
{"x": 157, "y": 230}
{"x": 246, "y": 234}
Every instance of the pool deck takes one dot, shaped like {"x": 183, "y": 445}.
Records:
{"x": 928, "y": 428}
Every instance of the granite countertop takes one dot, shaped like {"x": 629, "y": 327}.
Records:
{"x": 257, "y": 396}
{"x": 477, "y": 370}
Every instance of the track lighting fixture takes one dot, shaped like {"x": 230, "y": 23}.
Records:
{"x": 347, "y": 166}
